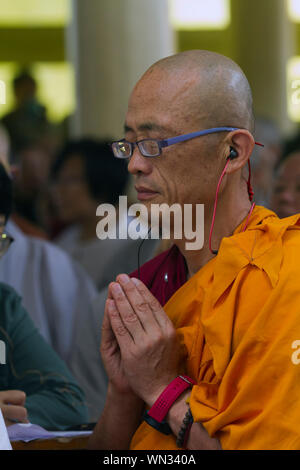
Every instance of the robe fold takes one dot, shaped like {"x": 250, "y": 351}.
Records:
{"x": 238, "y": 323}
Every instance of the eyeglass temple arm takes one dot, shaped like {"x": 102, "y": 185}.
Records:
{"x": 180, "y": 138}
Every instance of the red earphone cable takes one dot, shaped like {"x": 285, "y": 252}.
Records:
{"x": 215, "y": 207}
{"x": 251, "y": 194}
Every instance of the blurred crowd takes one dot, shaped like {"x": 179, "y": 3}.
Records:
{"x": 59, "y": 267}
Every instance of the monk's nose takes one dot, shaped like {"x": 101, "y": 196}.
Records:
{"x": 138, "y": 163}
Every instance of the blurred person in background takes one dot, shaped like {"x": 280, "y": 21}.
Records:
{"x": 60, "y": 298}
{"x": 35, "y": 384}
{"x": 86, "y": 175}
{"x": 33, "y": 141}
{"x": 30, "y": 178}
{"x": 4, "y": 148}
{"x": 264, "y": 159}
{"x": 286, "y": 191}
{"x": 28, "y": 120}
{"x": 54, "y": 288}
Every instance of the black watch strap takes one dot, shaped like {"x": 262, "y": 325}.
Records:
{"x": 162, "y": 427}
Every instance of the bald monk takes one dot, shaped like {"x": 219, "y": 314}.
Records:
{"x": 286, "y": 193}
{"x": 226, "y": 316}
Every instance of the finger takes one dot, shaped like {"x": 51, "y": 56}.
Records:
{"x": 106, "y": 322}
{"x": 109, "y": 344}
{"x": 158, "y": 311}
{"x": 126, "y": 313}
{"x": 109, "y": 294}
{"x": 121, "y": 333}
{"x": 107, "y": 334}
{"x": 15, "y": 413}
{"x": 138, "y": 302}
{"x": 14, "y": 397}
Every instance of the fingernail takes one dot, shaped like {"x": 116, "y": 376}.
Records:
{"x": 111, "y": 305}
{"x": 124, "y": 278}
{"x": 116, "y": 288}
{"x": 135, "y": 281}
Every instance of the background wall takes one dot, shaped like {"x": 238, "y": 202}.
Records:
{"x": 116, "y": 42}
{"x": 260, "y": 38}
{"x": 88, "y": 57}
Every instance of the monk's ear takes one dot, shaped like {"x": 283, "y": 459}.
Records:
{"x": 239, "y": 147}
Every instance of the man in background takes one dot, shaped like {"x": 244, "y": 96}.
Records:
{"x": 28, "y": 120}
{"x": 286, "y": 189}
{"x": 264, "y": 159}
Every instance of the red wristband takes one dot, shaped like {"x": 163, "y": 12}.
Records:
{"x": 170, "y": 394}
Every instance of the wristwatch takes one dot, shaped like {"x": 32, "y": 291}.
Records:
{"x": 155, "y": 416}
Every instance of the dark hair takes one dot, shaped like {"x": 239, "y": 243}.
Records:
{"x": 106, "y": 176}
{"x": 23, "y": 77}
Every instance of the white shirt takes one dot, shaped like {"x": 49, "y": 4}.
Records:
{"x": 4, "y": 441}
{"x": 55, "y": 290}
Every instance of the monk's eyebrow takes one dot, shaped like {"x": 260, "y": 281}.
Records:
{"x": 146, "y": 126}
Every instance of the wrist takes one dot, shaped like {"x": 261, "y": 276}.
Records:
{"x": 177, "y": 411}
{"x": 123, "y": 398}
{"x": 123, "y": 406}
{"x": 154, "y": 396}
{"x": 176, "y": 392}
{"x": 198, "y": 437}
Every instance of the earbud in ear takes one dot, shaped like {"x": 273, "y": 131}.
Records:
{"x": 233, "y": 154}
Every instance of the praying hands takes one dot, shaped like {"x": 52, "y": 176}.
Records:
{"x": 139, "y": 346}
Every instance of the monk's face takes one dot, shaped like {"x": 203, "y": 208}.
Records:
{"x": 286, "y": 195}
{"x": 162, "y": 106}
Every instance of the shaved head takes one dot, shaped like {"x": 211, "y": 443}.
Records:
{"x": 182, "y": 94}
{"x": 212, "y": 88}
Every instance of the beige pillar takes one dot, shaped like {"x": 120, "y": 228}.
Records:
{"x": 263, "y": 40}
{"x": 111, "y": 43}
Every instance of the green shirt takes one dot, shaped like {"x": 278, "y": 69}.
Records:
{"x": 54, "y": 399}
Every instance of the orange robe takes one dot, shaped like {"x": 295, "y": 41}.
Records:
{"x": 237, "y": 320}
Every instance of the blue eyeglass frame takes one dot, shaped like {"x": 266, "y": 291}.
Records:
{"x": 180, "y": 138}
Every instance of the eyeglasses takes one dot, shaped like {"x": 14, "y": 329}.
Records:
{"x": 153, "y": 147}
{"x": 5, "y": 241}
